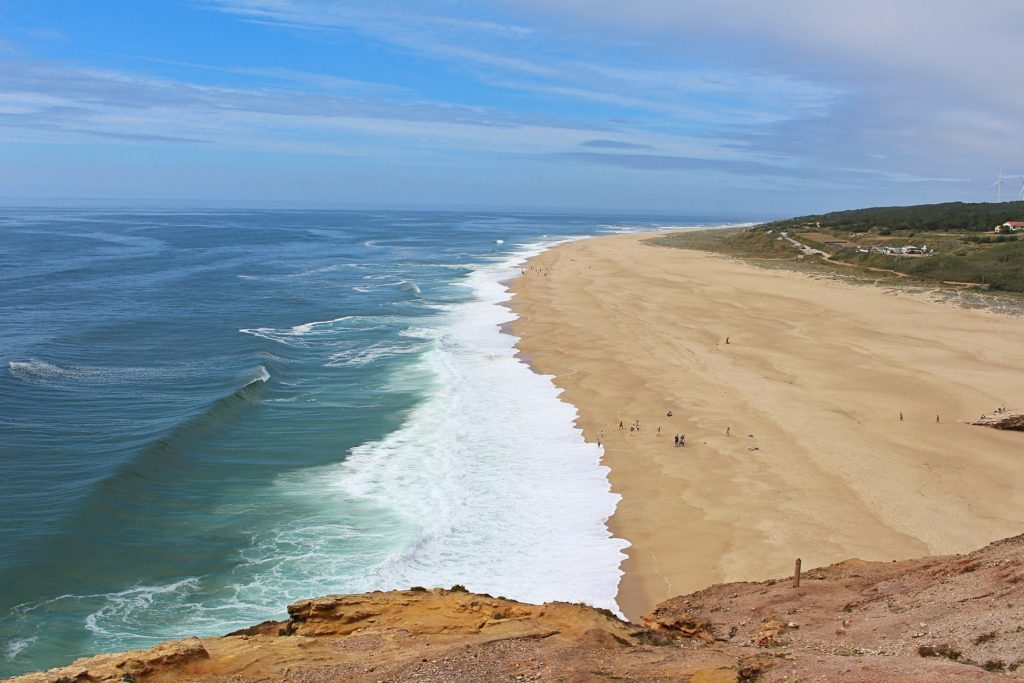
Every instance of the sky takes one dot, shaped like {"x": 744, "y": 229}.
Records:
{"x": 723, "y": 107}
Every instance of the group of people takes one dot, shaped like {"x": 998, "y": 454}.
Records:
{"x": 679, "y": 439}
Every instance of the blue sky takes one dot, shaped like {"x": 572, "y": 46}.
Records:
{"x": 731, "y": 107}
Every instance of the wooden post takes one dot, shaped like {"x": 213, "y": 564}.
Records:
{"x": 796, "y": 574}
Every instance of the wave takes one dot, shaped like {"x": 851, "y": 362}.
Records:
{"x": 306, "y": 328}
{"x": 214, "y": 413}
{"x": 117, "y": 620}
{"x": 407, "y": 286}
{"x": 488, "y": 458}
{"x": 43, "y": 372}
{"x": 262, "y": 375}
{"x": 364, "y": 356}
{"x": 132, "y": 609}
{"x": 419, "y": 332}
{"x": 289, "y": 336}
{"x": 16, "y": 646}
{"x": 311, "y": 334}
{"x": 164, "y": 458}
{"x": 333, "y": 268}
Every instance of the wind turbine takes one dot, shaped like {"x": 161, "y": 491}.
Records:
{"x": 1021, "y": 195}
{"x": 998, "y": 184}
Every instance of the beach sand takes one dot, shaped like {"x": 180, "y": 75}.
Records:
{"x": 818, "y": 464}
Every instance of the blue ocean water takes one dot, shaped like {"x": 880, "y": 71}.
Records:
{"x": 207, "y": 414}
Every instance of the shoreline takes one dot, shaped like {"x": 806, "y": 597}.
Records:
{"x": 816, "y": 372}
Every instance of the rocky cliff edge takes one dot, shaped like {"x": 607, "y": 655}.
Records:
{"x": 950, "y": 618}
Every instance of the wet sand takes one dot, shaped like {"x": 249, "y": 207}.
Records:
{"x": 817, "y": 464}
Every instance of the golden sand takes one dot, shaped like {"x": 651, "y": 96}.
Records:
{"x": 817, "y": 463}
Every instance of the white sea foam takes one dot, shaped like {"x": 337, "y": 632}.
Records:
{"x": 306, "y": 328}
{"x": 366, "y": 355}
{"x": 325, "y": 269}
{"x": 288, "y": 336}
{"x": 43, "y": 372}
{"x": 116, "y": 620}
{"x": 407, "y": 286}
{"x": 15, "y": 647}
{"x": 134, "y": 607}
{"x": 488, "y": 483}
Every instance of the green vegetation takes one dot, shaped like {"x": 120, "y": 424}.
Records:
{"x": 955, "y": 216}
{"x": 962, "y": 245}
{"x": 1000, "y": 266}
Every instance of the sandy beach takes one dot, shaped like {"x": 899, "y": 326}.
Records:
{"x": 816, "y": 463}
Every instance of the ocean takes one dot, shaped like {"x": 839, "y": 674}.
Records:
{"x": 207, "y": 414}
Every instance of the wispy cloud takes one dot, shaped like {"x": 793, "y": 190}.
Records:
{"x": 56, "y": 100}
{"x": 313, "y": 80}
{"x": 665, "y": 162}
{"x": 613, "y": 144}
{"x": 926, "y": 83}
{"x": 493, "y": 53}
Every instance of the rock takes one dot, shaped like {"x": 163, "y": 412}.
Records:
{"x": 135, "y": 664}
{"x": 1005, "y": 420}
{"x": 769, "y": 633}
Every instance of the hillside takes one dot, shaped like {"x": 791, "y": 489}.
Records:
{"x": 957, "y": 242}
{"x": 952, "y": 618}
{"x": 955, "y": 216}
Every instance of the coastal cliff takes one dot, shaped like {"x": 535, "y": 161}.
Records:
{"x": 951, "y": 618}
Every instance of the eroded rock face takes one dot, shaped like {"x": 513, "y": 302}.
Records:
{"x": 135, "y": 665}
{"x": 953, "y": 618}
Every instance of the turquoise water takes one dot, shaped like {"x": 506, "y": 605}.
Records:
{"x": 207, "y": 414}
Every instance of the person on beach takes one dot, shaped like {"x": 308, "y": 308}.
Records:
{"x": 677, "y": 440}
{"x": 682, "y": 440}
{"x": 659, "y": 430}
{"x": 936, "y": 418}
{"x": 620, "y": 425}
{"x": 726, "y": 340}
{"x": 728, "y": 430}
{"x": 901, "y": 416}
